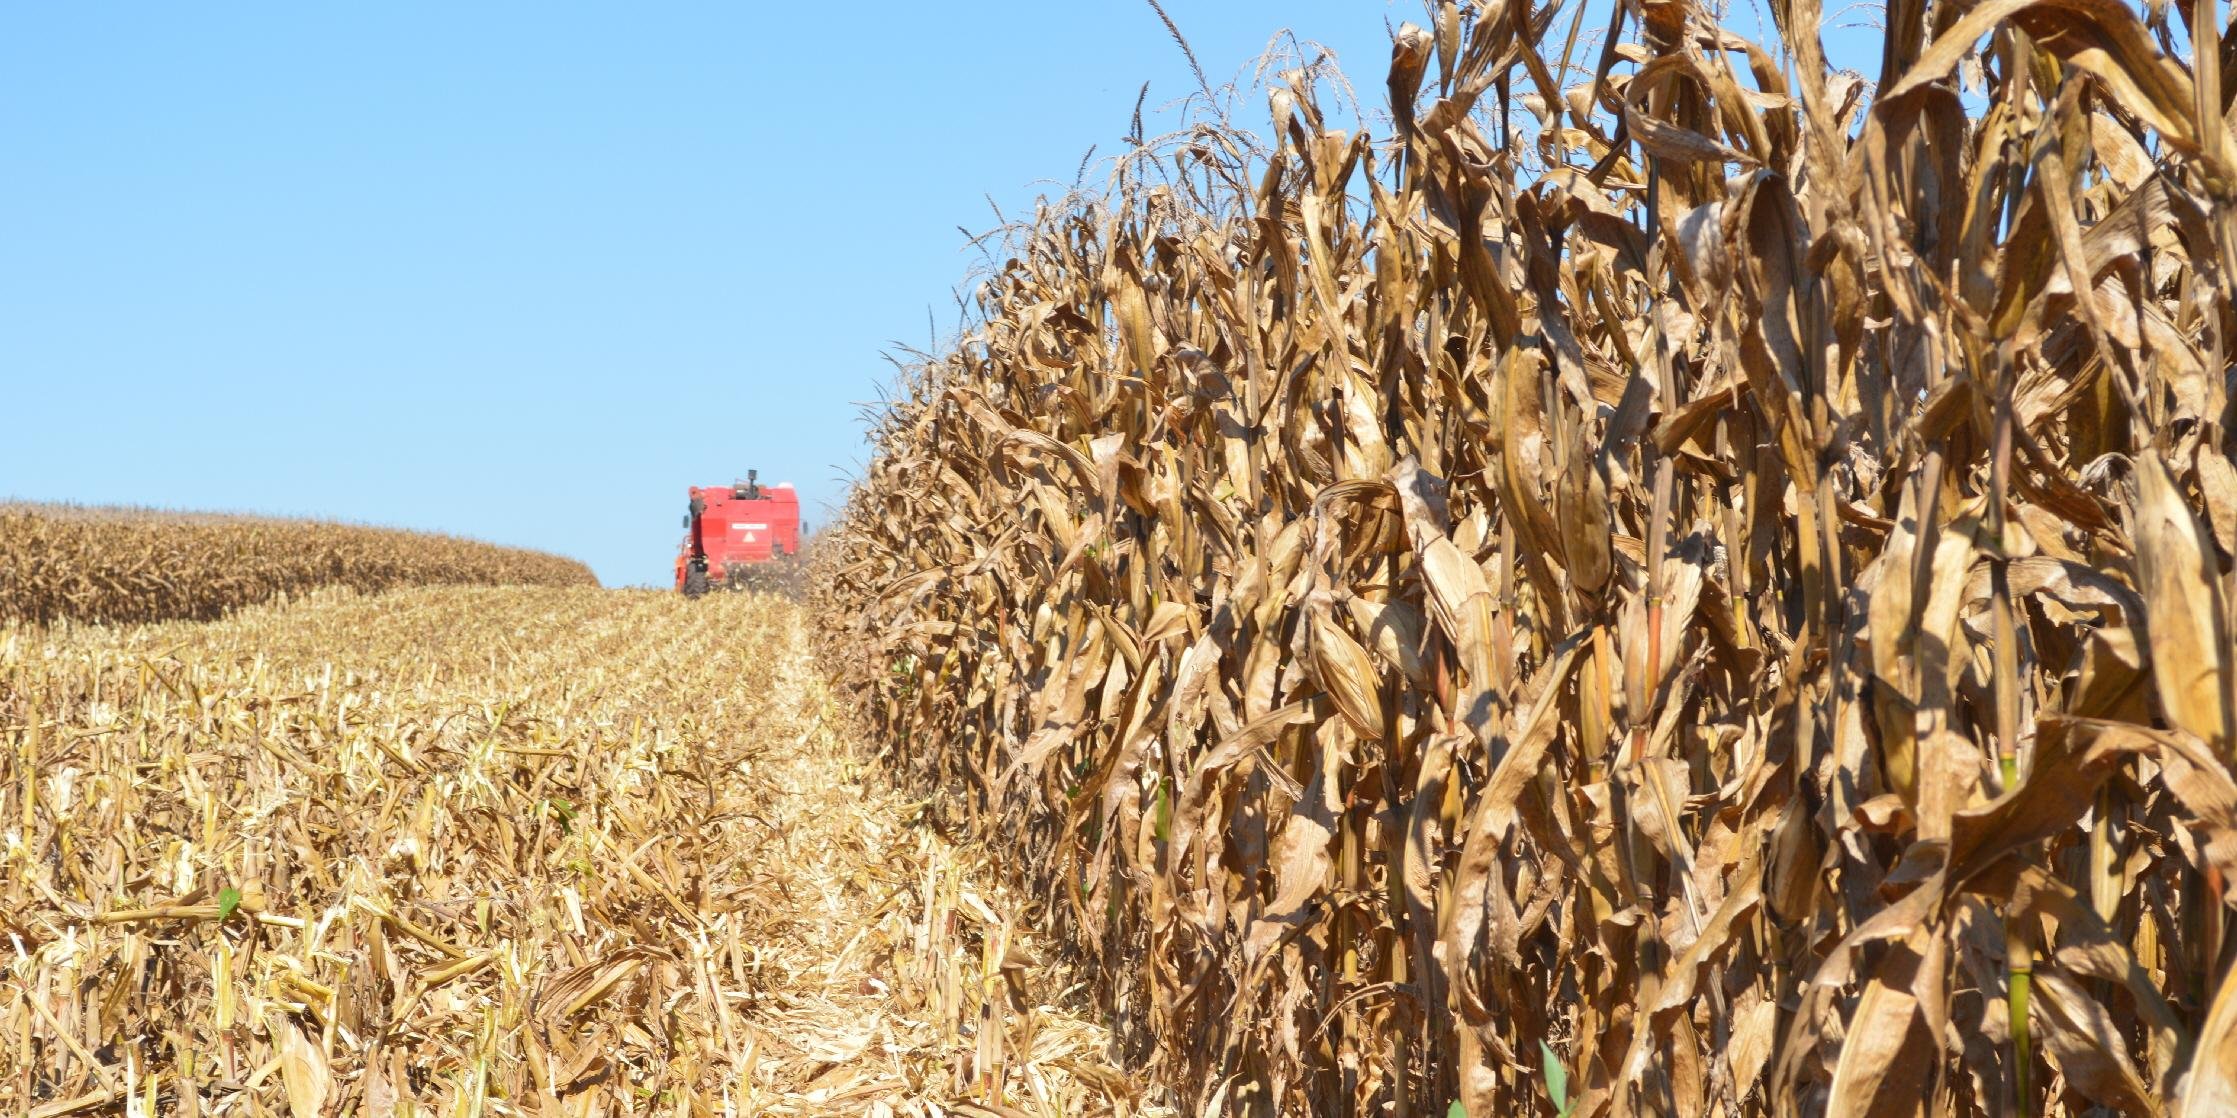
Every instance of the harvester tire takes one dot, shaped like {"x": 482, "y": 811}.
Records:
{"x": 695, "y": 583}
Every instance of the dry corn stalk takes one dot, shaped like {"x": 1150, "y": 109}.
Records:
{"x": 1676, "y": 575}
{"x": 111, "y": 565}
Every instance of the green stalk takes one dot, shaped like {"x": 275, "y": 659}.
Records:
{"x": 2020, "y": 963}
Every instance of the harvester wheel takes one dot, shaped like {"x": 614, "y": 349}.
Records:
{"x": 695, "y": 582}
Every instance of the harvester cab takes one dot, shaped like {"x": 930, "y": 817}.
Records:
{"x": 733, "y": 531}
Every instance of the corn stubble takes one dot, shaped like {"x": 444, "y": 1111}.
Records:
{"x": 1661, "y": 576}
{"x": 464, "y": 851}
{"x": 117, "y": 565}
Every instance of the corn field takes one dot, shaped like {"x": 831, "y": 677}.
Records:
{"x": 114, "y": 565}
{"x": 461, "y": 851}
{"x": 1657, "y": 578}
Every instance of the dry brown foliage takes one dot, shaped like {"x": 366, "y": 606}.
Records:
{"x": 109, "y": 565}
{"x": 1672, "y": 572}
{"x": 468, "y": 851}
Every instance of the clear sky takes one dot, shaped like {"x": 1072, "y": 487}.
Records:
{"x": 525, "y": 271}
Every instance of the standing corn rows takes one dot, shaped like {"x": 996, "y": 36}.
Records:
{"x": 106, "y": 565}
{"x": 1680, "y": 598}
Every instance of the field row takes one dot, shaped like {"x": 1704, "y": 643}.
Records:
{"x": 1654, "y": 578}
{"x": 60, "y": 562}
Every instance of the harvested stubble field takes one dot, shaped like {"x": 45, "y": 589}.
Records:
{"x": 103, "y": 564}
{"x": 465, "y": 851}
{"x": 1649, "y": 578}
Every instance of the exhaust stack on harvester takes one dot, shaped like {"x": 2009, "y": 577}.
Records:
{"x": 732, "y": 529}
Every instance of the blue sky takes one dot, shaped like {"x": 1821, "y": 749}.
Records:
{"x": 525, "y": 271}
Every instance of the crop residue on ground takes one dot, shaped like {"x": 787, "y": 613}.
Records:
{"x": 464, "y": 850}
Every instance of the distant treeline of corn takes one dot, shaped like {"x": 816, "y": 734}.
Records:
{"x": 1667, "y": 580}
{"x": 114, "y": 565}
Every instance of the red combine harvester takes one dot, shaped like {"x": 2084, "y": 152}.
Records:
{"x": 733, "y": 529}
